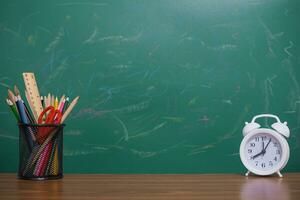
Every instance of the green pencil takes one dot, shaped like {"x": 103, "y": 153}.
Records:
{"x": 14, "y": 109}
{"x": 66, "y": 104}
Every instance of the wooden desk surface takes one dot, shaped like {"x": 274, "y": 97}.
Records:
{"x": 192, "y": 186}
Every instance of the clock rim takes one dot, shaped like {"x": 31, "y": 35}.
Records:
{"x": 284, "y": 156}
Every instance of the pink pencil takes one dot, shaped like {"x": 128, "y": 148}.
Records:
{"x": 61, "y": 105}
{"x": 39, "y": 165}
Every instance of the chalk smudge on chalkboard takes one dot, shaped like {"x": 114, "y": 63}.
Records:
{"x": 233, "y": 154}
{"x": 57, "y": 72}
{"x": 11, "y": 31}
{"x": 174, "y": 119}
{"x": 44, "y": 30}
{"x": 148, "y": 154}
{"x": 121, "y": 66}
{"x": 56, "y": 41}
{"x": 223, "y": 47}
{"x": 92, "y": 38}
{"x": 134, "y": 108}
{"x": 90, "y": 112}
{"x": 289, "y": 111}
{"x": 7, "y": 136}
{"x": 92, "y": 4}
{"x": 121, "y": 38}
{"x": 205, "y": 86}
{"x": 145, "y": 117}
{"x": 203, "y": 148}
{"x": 227, "y": 101}
{"x": 88, "y": 62}
{"x": 145, "y": 133}
{"x": 268, "y": 91}
{"x": 184, "y": 37}
{"x": 48, "y": 67}
{"x": 4, "y": 85}
{"x": 73, "y": 132}
{"x": 252, "y": 79}
{"x": 125, "y": 130}
{"x": 71, "y": 153}
{"x": 93, "y": 149}
{"x": 153, "y": 50}
{"x": 267, "y": 30}
{"x": 24, "y": 19}
{"x": 286, "y": 49}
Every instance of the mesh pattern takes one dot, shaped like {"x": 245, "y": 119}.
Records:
{"x": 40, "y": 158}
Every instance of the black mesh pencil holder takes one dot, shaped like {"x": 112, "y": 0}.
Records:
{"x": 40, "y": 151}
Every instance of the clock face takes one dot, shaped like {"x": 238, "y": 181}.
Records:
{"x": 263, "y": 151}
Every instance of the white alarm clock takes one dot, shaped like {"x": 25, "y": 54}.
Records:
{"x": 265, "y": 151}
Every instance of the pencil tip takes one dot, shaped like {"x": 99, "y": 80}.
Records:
{"x": 16, "y": 90}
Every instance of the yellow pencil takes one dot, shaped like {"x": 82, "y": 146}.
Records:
{"x": 56, "y": 103}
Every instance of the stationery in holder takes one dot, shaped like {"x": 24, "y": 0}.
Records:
{"x": 40, "y": 130}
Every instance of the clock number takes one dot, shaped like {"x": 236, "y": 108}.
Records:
{"x": 252, "y": 144}
{"x": 249, "y": 150}
{"x": 278, "y": 152}
{"x": 275, "y": 159}
{"x": 256, "y": 163}
{"x": 263, "y": 165}
{"x": 270, "y": 163}
{"x": 263, "y": 138}
{"x": 275, "y": 144}
{"x": 256, "y": 139}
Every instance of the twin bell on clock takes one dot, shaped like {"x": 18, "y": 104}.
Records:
{"x": 265, "y": 151}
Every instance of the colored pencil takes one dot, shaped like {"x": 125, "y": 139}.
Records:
{"x": 13, "y": 109}
{"x": 69, "y": 109}
{"x": 66, "y": 105}
{"x": 56, "y": 103}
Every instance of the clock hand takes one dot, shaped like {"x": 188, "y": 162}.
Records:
{"x": 264, "y": 151}
{"x": 260, "y": 153}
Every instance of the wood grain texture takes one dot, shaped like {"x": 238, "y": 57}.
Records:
{"x": 191, "y": 186}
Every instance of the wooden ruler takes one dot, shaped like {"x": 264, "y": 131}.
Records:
{"x": 33, "y": 92}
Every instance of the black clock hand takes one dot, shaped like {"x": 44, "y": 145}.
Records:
{"x": 264, "y": 151}
{"x": 260, "y": 153}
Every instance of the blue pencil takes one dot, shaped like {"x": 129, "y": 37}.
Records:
{"x": 29, "y": 132}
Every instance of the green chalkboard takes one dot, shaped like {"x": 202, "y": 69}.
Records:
{"x": 165, "y": 86}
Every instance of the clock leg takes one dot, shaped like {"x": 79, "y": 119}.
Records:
{"x": 247, "y": 173}
{"x": 279, "y": 174}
